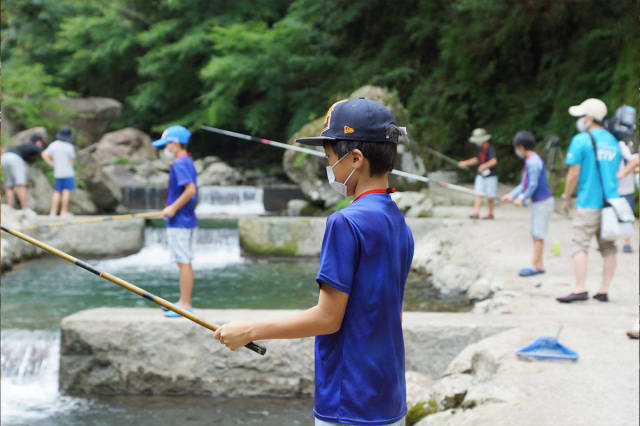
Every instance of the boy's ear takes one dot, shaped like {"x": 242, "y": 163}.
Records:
{"x": 357, "y": 159}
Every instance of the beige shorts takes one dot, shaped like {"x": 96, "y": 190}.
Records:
{"x": 586, "y": 225}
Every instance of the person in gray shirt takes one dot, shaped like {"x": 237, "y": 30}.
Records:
{"x": 61, "y": 155}
{"x": 15, "y": 171}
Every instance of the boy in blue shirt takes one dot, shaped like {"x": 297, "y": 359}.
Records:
{"x": 534, "y": 186}
{"x": 594, "y": 182}
{"x": 180, "y": 210}
{"x": 364, "y": 262}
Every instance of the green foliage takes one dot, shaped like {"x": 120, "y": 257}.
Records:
{"x": 30, "y": 94}
{"x": 268, "y": 67}
{"x": 122, "y": 161}
{"x": 419, "y": 411}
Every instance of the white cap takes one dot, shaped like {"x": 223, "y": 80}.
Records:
{"x": 592, "y": 107}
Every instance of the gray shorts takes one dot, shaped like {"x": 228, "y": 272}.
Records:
{"x": 180, "y": 242}
{"x": 540, "y": 213}
{"x": 319, "y": 422}
{"x": 487, "y": 185}
{"x": 15, "y": 171}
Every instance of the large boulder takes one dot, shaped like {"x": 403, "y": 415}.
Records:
{"x": 39, "y": 192}
{"x": 25, "y": 135}
{"x": 213, "y": 171}
{"x": 281, "y": 236}
{"x": 124, "y": 147}
{"x": 104, "y": 193}
{"x": 91, "y": 116}
{"x": 309, "y": 171}
{"x": 13, "y": 249}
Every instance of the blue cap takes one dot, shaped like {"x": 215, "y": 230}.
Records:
{"x": 355, "y": 120}
{"x": 173, "y": 134}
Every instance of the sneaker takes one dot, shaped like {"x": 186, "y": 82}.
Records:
{"x": 67, "y": 215}
{"x": 573, "y": 297}
{"x": 171, "y": 314}
{"x": 488, "y": 217}
{"x": 601, "y": 297}
{"x": 53, "y": 215}
{"x": 627, "y": 249}
{"x": 633, "y": 334}
{"x": 28, "y": 212}
{"x": 474, "y": 216}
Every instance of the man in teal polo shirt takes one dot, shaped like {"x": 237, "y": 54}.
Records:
{"x": 593, "y": 186}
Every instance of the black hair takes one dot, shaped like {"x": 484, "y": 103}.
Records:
{"x": 525, "y": 139}
{"x": 35, "y": 138}
{"x": 381, "y": 155}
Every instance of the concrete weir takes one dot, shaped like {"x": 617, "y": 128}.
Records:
{"x": 139, "y": 351}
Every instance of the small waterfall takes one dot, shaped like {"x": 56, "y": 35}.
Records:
{"x": 30, "y": 362}
{"x": 212, "y": 200}
{"x": 236, "y": 200}
{"x": 213, "y": 248}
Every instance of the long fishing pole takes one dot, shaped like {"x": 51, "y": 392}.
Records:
{"x": 442, "y": 156}
{"x": 320, "y": 154}
{"x": 92, "y": 220}
{"x": 127, "y": 285}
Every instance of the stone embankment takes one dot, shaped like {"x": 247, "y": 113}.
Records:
{"x": 140, "y": 351}
{"x": 101, "y": 239}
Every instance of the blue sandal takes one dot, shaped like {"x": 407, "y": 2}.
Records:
{"x": 171, "y": 314}
{"x": 528, "y": 271}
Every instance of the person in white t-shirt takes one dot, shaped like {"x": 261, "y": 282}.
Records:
{"x": 61, "y": 155}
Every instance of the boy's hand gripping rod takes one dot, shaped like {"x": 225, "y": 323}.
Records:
{"x": 122, "y": 283}
{"x": 320, "y": 154}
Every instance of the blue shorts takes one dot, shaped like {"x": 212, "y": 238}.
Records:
{"x": 180, "y": 242}
{"x": 487, "y": 185}
{"x": 65, "y": 183}
{"x": 540, "y": 213}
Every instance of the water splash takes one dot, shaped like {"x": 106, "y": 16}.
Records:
{"x": 236, "y": 200}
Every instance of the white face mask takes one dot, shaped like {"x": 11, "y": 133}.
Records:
{"x": 582, "y": 125}
{"x": 518, "y": 153}
{"x": 340, "y": 188}
{"x": 170, "y": 155}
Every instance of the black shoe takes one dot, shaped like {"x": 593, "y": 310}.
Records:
{"x": 573, "y": 297}
{"x": 602, "y": 297}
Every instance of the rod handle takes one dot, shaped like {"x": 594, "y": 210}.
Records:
{"x": 261, "y": 350}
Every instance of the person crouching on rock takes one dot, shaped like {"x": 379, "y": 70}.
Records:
{"x": 533, "y": 186}
{"x": 180, "y": 210}
{"x": 15, "y": 170}
{"x": 364, "y": 262}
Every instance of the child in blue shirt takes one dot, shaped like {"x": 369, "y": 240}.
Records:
{"x": 533, "y": 186}
{"x": 364, "y": 262}
{"x": 180, "y": 209}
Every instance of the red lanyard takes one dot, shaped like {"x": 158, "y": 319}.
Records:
{"x": 483, "y": 154}
{"x": 375, "y": 191}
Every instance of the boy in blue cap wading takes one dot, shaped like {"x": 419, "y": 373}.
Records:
{"x": 364, "y": 262}
{"x": 180, "y": 210}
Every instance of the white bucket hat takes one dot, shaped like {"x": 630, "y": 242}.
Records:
{"x": 479, "y": 136}
{"x": 592, "y": 107}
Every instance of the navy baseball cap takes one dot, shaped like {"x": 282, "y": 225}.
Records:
{"x": 355, "y": 120}
{"x": 173, "y": 134}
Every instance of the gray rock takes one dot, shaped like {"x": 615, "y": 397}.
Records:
{"x": 104, "y": 192}
{"x": 218, "y": 173}
{"x": 483, "y": 393}
{"x": 25, "y": 135}
{"x": 449, "y": 391}
{"x": 91, "y": 116}
{"x": 418, "y": 385}
{"x": 13, "y": 249}
{"x": 281, "y": 236}
{"x": 295, "y": 207}
{"x": 129, "y": 146}
{"x": 480, "y": 290}
{"x": 450, "y": 418}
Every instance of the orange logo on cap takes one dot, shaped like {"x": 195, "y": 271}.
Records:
{"x": 327, "y": 121}
{"x": 348, "y": 129}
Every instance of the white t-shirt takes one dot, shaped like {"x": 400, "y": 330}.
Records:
{"x": 626, "y": 184}
{"x": 62, "y": 153}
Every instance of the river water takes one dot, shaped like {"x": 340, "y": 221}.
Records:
{"x": 36, "y": 295}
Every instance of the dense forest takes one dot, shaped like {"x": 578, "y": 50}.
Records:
{"x": 268, "y": 67}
